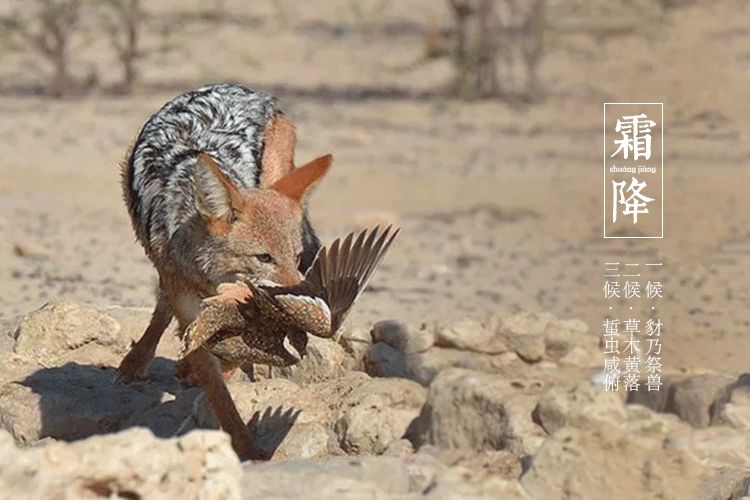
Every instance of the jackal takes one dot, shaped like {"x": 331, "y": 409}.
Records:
{"x": 214, "y": 197}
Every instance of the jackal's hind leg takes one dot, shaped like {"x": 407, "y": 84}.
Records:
{"x": 208, "y": 372}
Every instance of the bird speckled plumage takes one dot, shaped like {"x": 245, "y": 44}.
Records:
{"x": 271, "y": 327}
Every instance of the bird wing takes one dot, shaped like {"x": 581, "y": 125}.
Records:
{"x": 337, "y": 277}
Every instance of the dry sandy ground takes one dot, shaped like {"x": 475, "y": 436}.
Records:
{"x": 500, "y": 205}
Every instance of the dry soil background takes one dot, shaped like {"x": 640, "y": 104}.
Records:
{"x": 501, "y": 205}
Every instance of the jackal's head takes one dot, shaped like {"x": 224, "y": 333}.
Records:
{"x": 255, "y": 233}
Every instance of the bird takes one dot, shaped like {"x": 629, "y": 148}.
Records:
{"x": 269, "y": 324}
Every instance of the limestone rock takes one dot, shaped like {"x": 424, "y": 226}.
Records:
{"x": 31, "y": 250}
{"x": 356, "y": 341}
{"x": 407, "y": 340}
{"x": 695, "y": 399}
{"x": 581, "y": 406}
{"x": 378, "y": 414}
{"x": 469, "y": 334}
{"x": 352, "y": 414}
{"x": 605, "y": 461}
{"x": 47, "y": 335}
{"x": 399, "y": 448}
{"x": 733, "y": 406}
{"x": 714, "y": 447}
{"x": 325, "y": 359}
{"x": 385, "y": 361}
{"x": 478, "y": 411}
{"x": 339, "y": 477}
{"x": 534, "y": 336}
{"x": 460, "y": 482}
{"x": 131, "y": 464}
{"x": 74, "y": 401}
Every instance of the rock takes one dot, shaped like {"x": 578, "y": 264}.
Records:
{"x": 378, "y": 414}
{"x": 503, "y": 345}
{"x": 76, "y": 401}
{"x": 400, "y": 448}
{"x": 469, "y": 334}
{"x": 460, "y": 482}
{"x": 655, "y": 400}
{"x": 526, "y": 338}
{"x": 8, "y": 328}
{"x": 693, "y": 399}
{"x": 58, "y": 381}
{"x": 130, "y": 464}
{"x": 502, "y": 463}
{"x": 352, "y": 414}
{"x": 583, "y": 405}
{"x": 533, "y": 336}
{"x": 714, "y": 447}
{"x": 31, "y": 250}
{"x": 606, "y": 461}
{"x": 700, "y": 400}
{"x": 325, "y": 359}
{"x": 356, "y": 341}
{"x": 733, "y": 406}
{"x": 166, "y": 418}
{"x": 644, "y": 422}
{"x": 477, "y": 411}
{"x": 732, "y": 483}
{"x": 286, "y": 421}
{"x": 339, "y": 477}
{"x": 402, "y": 338}
{"x": 638, "y": 454}
{"x": 385, "y": 361}
{"x": 48, "y": 335}
{"x": 133, "y": 322}
{"x": 422, "y": 367}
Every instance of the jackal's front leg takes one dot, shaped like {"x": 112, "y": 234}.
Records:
{"x": 138, "y": 359}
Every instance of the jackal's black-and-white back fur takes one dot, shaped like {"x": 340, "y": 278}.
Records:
{"x": 225, "y": 121}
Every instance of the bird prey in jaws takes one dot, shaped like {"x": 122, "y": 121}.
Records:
{"x": 267, "y": 324}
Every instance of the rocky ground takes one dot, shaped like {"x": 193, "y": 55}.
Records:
{"x": 498, "y": 408}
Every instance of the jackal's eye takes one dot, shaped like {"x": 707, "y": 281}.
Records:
{"x": 265, "y": 258}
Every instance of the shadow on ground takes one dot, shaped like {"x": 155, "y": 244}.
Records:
{"x": 80, "y": 400}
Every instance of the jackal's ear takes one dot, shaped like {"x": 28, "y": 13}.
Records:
{"x": 278, "y": 151}
{"x": 216, "y": 196}
{"x": 297, "y": 184}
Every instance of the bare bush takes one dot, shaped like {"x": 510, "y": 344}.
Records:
{"x": 368, "y": 18}
{"x": 123, "y": 21}
{"x": 499, "y": 45}
{"x": 47, "y": 27}
{"x": 435, "y": 42}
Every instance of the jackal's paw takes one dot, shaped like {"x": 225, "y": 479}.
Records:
{"x": 134, "y": 366}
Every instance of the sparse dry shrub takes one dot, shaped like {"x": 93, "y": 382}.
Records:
{"x": 47, "y": 28}
{"x": 368, "y": 14}
{"x": 498, "y": 47}
{"x": 123, "y": 22}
